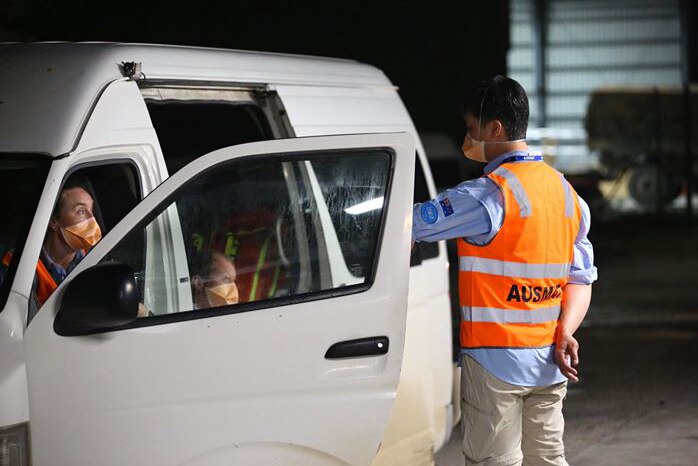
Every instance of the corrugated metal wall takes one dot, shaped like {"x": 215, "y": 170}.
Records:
{"x": 594, "y": 43}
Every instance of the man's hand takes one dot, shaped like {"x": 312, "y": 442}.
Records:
{"x": 566, "y": 355}
{"x": 142, "y": 310}
{"x": 575, "y": 302}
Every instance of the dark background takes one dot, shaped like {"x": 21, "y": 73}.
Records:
{"x": 431, "y": 50}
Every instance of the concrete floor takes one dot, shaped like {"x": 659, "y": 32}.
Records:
{"x": 637, "y": 400}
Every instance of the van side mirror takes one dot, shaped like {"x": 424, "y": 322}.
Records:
{"x": 101, "y": 297}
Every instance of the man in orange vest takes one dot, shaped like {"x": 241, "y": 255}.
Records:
{"x": 525, "y": 274}
{"x": 72, "y": 231}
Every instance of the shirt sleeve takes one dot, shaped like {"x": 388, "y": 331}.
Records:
{"x": 583, "y": 271}
{"x": 465, "y": 211}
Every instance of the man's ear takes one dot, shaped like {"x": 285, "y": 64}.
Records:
{"x": 497, "y": 130}
{"x": 53, "y": 225}
{"x": 197, "y": 282}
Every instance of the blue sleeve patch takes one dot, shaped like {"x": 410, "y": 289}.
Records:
{"x": 446, "y": 206}
{"x": 429, "y": 213}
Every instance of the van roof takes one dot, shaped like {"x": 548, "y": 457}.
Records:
{"x": 48, "y": 89}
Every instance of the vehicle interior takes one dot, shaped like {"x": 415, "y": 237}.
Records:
{"x": 22, "y": 179}
{"x": 193, "y": 122}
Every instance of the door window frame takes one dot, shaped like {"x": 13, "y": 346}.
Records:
{"x": 261, "y": 95}
{"x": 120, "y": 160}
{"x": 43, "y": 164}
{"x": 279, "y": 157}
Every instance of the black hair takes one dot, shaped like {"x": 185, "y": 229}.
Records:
{"x": 499, "y": 98}
{"x": 201, "y": 262}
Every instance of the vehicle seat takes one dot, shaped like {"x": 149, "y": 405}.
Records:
{"x": 250, "y": 239}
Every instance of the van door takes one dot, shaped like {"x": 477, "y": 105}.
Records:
{"x": 276, "y": 359}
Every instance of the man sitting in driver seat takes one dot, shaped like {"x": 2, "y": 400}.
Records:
{"x": 213, "y": 281}
{"x": 250, "y": 238}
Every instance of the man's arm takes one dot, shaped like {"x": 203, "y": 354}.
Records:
{"x": 575, "y": 303}
{"x": 473, "y": 209}
{"x": 576, "y": 296}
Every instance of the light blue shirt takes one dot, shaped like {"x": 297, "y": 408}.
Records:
{"x": 475, "y": 210}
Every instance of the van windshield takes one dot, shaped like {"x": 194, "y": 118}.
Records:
{"x": 22, "y": 179}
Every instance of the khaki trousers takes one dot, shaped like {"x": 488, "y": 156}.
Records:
{"x": 507, "y": 425}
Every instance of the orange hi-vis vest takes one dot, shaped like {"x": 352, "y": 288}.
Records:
{"x": 511, "y": 289}
{"x": 45, "y": 286}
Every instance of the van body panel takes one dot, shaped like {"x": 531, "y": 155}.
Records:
{"x": 54, "y": 96}
{"x": 425, "y": 391}
{"x": 14, "y": 408}
{"x": 61, "y": 82}
{"x": 312, "y": 109}
{"x": 258, "y": 377}
{"x": 423, "y": 397}
{"x": 121, "y": 118}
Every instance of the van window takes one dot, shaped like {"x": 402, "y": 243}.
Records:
{"x": 421, "y": 194}
{"x": 91, "y": 202}
{"x": 191, "y": 122}
{"x": 116, "y": 188}
{"x": 188, "y": 130}
{"x": 22, "y": 180}
{"x": 259, "y": 230}
{"x": 354, "y": 200}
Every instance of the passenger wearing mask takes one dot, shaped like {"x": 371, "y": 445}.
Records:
{"x": 72, "y": 232}
{"x": 213, "y": 282}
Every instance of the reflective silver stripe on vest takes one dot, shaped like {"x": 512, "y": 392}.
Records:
{"x": 569, "y": 201}
{"x": 510, "y": 316}
{"x": 513, "y": 269}
{"x": 517, "y": 190}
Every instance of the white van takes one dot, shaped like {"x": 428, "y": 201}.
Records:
{"x": 304, "y": 369}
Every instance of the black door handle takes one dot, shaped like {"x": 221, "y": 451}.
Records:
{"x": 372, "y": 346}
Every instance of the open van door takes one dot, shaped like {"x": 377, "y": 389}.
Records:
{"x": 294, "y": 364}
